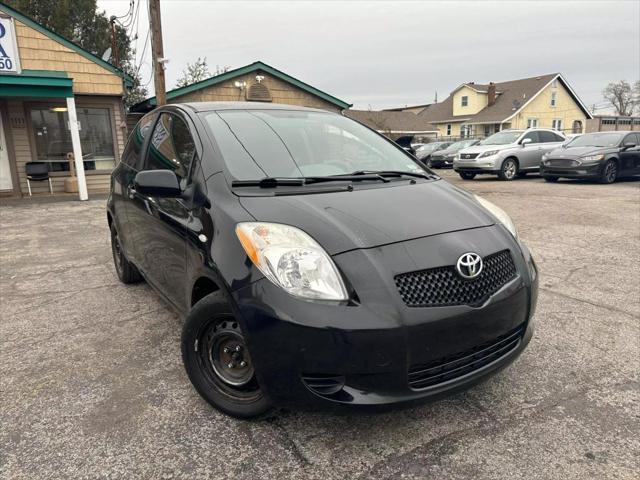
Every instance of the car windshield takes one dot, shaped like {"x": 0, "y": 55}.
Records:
{"x": 502, "y": 138}
{"x": 460, "y": 145}
{"x": 291, "y": 143}
{"x": 600, "y": 139}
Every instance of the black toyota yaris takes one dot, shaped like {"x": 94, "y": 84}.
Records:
{"x": 297, "y": 245}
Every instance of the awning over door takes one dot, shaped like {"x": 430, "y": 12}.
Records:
{"x": 37, "y": 83}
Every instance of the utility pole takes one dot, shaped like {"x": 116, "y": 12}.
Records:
{"x": 157, "y": 52}
{"x": 114, "y": 43}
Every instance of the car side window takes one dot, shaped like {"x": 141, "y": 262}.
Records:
{"x": 548, "y": 137}
{"x": 171, "y": 147}
{"x": 631, "y": 138}
{"x": 533, "y": 136}
{"x": 133, "y": 150}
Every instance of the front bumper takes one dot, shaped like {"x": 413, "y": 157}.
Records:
{"x": 577, "y": 171}
{"x": 441, "y": 162}
{"x": 478, "y": 165}
{"x": 360, "y": 352}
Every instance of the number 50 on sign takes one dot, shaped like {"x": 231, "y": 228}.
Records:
{"x": 9, "y": 60}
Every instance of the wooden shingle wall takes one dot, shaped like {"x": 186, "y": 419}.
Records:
{"x": 39, "y": 52}
{"x": 281, "y": 92}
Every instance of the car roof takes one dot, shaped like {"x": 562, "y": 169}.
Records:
{"x": 217, "y": 106}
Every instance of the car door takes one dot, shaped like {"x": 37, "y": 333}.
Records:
{"x": 529, "y": 155}
{"x": 630, "y": 156}
{"x": 122, "y": 178}
{"x": 162, "y": 222}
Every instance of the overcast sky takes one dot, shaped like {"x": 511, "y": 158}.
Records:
{"x": 383, "y": 54}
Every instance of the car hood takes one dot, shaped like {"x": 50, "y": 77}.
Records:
{"x": 575, "y": 152}
{"x": 485, "y": 148}
{"x": 370, "y": 217}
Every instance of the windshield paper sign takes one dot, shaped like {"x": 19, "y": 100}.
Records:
{"x": 9, "y": 62}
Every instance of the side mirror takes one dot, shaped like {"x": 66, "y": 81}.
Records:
{"x": 628, "y": 145}
{"x": 525, "y": 142}
{"x": 157, "y": 183}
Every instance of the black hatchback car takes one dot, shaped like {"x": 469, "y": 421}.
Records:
{"x": 295, "y": 243}
{"x": 603, "y": 156}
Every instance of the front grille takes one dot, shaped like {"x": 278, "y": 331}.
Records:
{"x": 443, "y": 286}
{"x": 561, "y": 162}
{"x": 468, "y": 156}
{"x": 457, "y": 365}
{"x": 437, "y": 158}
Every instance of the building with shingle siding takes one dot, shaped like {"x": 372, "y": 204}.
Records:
{"x": 60, "y": 105}
{"x": 256, "y": 82}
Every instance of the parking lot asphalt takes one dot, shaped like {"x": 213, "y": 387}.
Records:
{"x": 92, "y": 383}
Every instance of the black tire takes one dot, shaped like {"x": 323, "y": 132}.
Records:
{"x": 551, "y": 179}
{"x": 509, "y": 169}
{"x": 467, "y": 175}
{"x": 209, "y": 331}
{"x": 609, "y": 172}
{"x": 125, "y": 270}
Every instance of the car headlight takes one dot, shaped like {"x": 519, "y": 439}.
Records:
{"x": 488, "y": 154}
{"x": 544, "y": 157}
{"x": 592, "y": 158}
{"x": 292, "y": 260}
{"x": 500, "y": 215}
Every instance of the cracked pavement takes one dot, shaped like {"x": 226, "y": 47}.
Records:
{"x": 92, "y": 383}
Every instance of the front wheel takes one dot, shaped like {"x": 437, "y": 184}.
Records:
{"x": 467, "y": 175}
{"x": 217, "y": 360}
{"x": 609, "y": 172}
{"x": 509, "y": 169}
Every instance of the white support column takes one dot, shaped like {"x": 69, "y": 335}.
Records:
{"x": 77, "y": 148}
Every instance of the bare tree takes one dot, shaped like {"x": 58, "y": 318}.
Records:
{"x": 621, "y": 97}
{"x": 636, "y": 95}
{"x": 195, "y": 72}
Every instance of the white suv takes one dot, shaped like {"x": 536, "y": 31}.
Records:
{"x": 508, "y": 153}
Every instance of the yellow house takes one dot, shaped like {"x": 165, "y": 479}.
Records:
{"x": 61, "y": 112}
{"x": 479, "y": 110}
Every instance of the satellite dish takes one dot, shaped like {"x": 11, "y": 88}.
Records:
{"x": 107, "y": 54}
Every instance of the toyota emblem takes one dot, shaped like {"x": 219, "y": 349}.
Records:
{"x": 469, "y": 265}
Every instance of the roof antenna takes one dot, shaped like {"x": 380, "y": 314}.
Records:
{"x": 435, "y": 100}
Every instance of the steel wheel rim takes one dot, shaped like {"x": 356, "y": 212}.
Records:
{"x": 239, "y": 382}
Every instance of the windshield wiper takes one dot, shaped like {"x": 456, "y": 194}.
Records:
{"x": 272, "y": 182}
{"x": 394, "y": 173}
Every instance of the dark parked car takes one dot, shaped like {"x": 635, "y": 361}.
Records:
{"x": 424, "y": 152}
{"x": 604, "y": 156}
{"x": 406, "y": 143}
{"x": 295, "y": 243}
{"x": 444, "y": 158}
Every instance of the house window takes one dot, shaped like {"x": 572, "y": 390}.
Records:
{"x": 554, "y": 98}
{"x": 532, "y": 123}
{"x": 449, "y": 130}
{"x": 50, "y": 125}
{"x": 465, "y": 131}
{"x": 465, "y": 101}
{"x": 557, "y": 124}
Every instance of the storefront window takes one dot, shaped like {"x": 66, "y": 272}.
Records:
{"x": 53, "y": 137}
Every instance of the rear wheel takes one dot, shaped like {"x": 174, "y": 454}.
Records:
{"x": 551, "y": 179}
{"x": 126, "y": 271}
{"x": 509, "y": 169}
{"x": 467, "y": 175}
{"x": 609, "y": 172}
{"x": 217, "y": 360}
